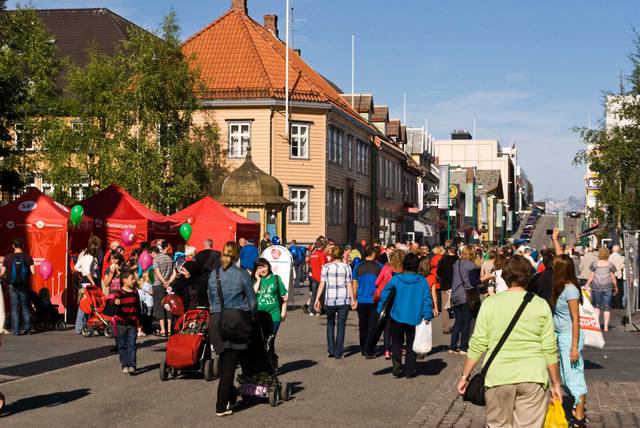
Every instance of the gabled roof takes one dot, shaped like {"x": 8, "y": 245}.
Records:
{"x": 75, "y": 30}
{"x": 393, "y": 129}
{"x": 380, "y": 114}
{"x": 33, "y": 210}
{"x": 362, "y": 103}
{"x": 240, "y": 59}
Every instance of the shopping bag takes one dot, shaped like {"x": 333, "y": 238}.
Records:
{"x": 589, "y": 324}
{"x": 555, "y": 416}
{"x": 423, "y": 341}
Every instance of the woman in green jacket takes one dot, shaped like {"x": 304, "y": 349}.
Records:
{"x": 517, "y": 381}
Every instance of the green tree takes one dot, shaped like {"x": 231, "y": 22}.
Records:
{"x": 136, "y": 110}
{"x": 29, "y": 67}
{"x": 613, "y": 153}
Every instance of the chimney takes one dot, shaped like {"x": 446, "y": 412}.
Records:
{"x": 271, "y": 24}
{"x": 240, "y": 5}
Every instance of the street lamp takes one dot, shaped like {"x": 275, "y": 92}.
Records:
{"x": 457, "y": 167}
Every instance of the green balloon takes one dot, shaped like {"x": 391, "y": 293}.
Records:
{"x": 76, "y": 214}
{"x": 186, "y": 231}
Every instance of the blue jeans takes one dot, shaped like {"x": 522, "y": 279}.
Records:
{"x": 126, "y": 340}
{"x": 314, "y": 294}
{"x": 335, "y": 342}
{"x": 19, "y": 299}
{"x": 81, "y": 319}
{"x": 298, "y": 277}
{"x": 461, "y": 327}
{"x": 601, "y": 299}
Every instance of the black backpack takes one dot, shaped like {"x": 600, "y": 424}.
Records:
{"x": 19, "y": 275}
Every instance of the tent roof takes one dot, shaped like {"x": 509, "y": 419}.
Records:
{"x": 116, "y": 203}
{"x": 34, "y": 208}
{"x": 208, "y": 210}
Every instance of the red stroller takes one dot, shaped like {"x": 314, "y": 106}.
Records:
{"x": 188, "y": 349}
{"x": 93, "y": 304}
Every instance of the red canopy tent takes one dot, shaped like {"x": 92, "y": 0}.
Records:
{"x": 114, "y": 210}
{"x": 212, "y": 220}
{"x": 44, "y": 224}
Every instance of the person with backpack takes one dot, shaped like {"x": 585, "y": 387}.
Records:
{"x": 298, "y": 254}
{"x": 19, "y": 268}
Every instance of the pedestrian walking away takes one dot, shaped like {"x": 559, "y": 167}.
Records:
{"x": 336, "y": 278}
{"x": 412, "y": 305}
{"x": 19, "y": 268}
{"x": 364, "y": 284}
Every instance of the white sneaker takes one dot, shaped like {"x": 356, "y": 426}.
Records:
{"x": 131, "y": 370}
{"x": 311, "y": 315}
{"x": 125, "y": 370}
{"x": 225, "y": 413}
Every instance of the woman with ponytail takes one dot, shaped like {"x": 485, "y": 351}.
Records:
{"x": 237, "y": 293}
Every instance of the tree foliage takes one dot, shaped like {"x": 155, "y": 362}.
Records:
{"x": 613, "y": 153}
{"x": 136, "y": 110}
{"x": 28, "y": 69}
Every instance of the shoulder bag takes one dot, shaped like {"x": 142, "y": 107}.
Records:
{"x": 235, "y": 324}
{"x": 475, "y": 390}
{"x": 473, "y": 295}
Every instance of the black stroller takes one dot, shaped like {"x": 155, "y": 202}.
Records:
{"x": 259, "y": 377}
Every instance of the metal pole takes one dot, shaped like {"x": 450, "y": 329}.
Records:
{"x": 353, "y": 70}
{"x": 448, "y": 202}
{"x": 286, "y": 74}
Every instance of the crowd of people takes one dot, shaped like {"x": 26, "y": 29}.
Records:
{"x": 458, "y": 283}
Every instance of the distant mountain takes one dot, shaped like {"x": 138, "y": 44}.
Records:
{"x": 570, "y": 204}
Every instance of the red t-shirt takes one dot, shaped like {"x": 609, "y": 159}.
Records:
{"x": 317, "y": 259}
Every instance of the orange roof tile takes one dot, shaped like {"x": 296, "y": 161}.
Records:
{"x": 240, "y": 59}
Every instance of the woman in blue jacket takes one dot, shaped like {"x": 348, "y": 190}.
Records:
{"x": 412, "y": 305}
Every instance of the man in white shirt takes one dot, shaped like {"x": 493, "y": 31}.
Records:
{"x": 617, "y": 260}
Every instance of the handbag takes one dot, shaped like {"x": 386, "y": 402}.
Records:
{"x": 473, "y": 296}
{"x": 235, "y": 324}
{"x": 475, "y": 390}
{"x": 589, "y": 324}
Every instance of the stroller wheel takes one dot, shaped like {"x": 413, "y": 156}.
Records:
{"x": 60, "y": 325}
{"x": 108, "y": 331}
{"x": 287, "y": 394}
{"x": 87, "y": 330}
{"x": 274, "y": 396}
{"x": 164, "y": 373}
{"x": 174, "y": 373}
{"x": 208, "y": 370}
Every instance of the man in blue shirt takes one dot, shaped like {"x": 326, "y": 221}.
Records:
{"x": 364, "y": 281}
{"x": 298, "y": 254}
{"x": 248, "y": 254}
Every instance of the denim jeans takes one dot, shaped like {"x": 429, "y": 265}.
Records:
{"x": 601, "y": 299}
{"x": 126, "y": 340}
{"x": 19, "y": 299}
{"x": 314, "y": 294}
{"x": 461, "y": 327}
{"x": 335, "y": 342}
{"x": 81, "y": 319}
{"x": 298, "y": 275}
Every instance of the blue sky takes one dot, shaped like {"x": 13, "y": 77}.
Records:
{"x": 529, "y": 70}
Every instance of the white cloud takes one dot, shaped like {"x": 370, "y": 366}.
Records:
{"x": 541, "y": 129}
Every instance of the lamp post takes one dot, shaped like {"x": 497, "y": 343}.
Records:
{"x": 449, "y": 199}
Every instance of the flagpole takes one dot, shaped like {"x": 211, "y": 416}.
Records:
{"x": 286, "y": 74}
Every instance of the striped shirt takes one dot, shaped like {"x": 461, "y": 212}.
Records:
{"x": 128, "y": 311}
{"x": 337, "y": 278}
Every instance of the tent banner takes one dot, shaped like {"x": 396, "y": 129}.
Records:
{"x": 51, "y": 246}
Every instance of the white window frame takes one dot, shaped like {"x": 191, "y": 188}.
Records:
{"x": 238, "y": 149}
{"x": 300, "y": 140}
{"x": 299, "y": 195}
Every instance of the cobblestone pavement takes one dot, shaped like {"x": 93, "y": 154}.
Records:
{"x": 611, "y": 401}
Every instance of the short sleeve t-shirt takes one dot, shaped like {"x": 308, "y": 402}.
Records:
{"x": 561, "y": 314}
{"x": 316, "y": 261}
{"x": 164, "y": 264}
{"x": 268, "y": 296}
{"x": 602, "y": 275}
{"x": 114, "y": 285}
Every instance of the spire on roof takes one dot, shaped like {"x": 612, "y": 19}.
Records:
{"x": 240, "y": 5}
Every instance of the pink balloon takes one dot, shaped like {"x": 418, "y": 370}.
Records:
{"x": 145, "y": 261}
{"x": 128, "y": 237}
{"x": 45, "y": 269}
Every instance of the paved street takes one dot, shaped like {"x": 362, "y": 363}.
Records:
{"x": 83, "y": 385}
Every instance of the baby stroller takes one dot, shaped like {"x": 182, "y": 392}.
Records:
{"x": 45, "y": 315}
{"x": 259, "y": 377}
{"x": 93, "y": 304}
{"x": 188, "y": 349}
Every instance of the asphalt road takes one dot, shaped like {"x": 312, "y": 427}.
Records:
{"x": 328, "y": 392}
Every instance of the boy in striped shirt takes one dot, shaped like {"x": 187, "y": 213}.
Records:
{"x": 127, "y": 319}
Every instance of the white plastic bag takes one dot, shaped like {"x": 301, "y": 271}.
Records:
{"x": 589, "y": 324}
{"x": 423, "y": 341}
